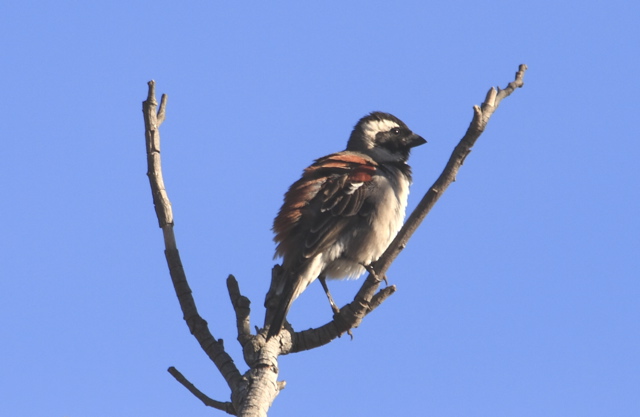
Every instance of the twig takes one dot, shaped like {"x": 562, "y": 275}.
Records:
{"x": 242, "y": 307}
{"x": 197, "y": 325}
{"x": 224, "y": 406}
{"x": 480, "y": 119}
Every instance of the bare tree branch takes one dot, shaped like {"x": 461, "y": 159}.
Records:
{"x": 481, "y": 116}
{"x": 224, "y": 406}
{"x": 242, "y": 307}
{"x": 197, "y": 325}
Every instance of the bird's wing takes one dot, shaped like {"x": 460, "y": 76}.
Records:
{"x": 318, "y": 206}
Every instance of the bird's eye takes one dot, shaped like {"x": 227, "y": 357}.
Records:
{"x": 395, "y": 130}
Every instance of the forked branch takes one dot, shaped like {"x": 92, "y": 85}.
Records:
{"x": 197, "y": 325}
{"x": 253, "y": 392}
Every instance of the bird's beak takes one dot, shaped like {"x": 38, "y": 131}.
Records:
{"x": 415, "y": 140}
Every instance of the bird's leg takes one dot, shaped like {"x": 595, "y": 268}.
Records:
{"x": 323, "y": 281}
{"x": 334, "y": 307}
{"x": 373, "y": 272}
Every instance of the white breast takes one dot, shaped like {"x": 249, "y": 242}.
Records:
{"x": 363, "y": 245}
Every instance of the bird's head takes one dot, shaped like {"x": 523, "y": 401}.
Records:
{"x": 384, "y": 137}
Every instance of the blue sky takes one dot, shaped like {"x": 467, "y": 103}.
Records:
{"x": 518, "y": 296}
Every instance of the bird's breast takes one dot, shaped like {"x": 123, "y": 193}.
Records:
{"x": 364, "y": 243}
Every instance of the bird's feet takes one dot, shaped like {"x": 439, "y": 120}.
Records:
{"x": 373, "y": 272}
{"x": 334, "y": 307}
{"x": 323, "y": 282}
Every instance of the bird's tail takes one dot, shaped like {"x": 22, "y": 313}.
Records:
{"x": 281, "y": 312}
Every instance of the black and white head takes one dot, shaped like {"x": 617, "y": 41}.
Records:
{"x": 384, "y": 137}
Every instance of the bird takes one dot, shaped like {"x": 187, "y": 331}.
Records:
{"x": 344, "y": 211}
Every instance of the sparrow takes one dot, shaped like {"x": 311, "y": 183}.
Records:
{"x": 345, "y": 210}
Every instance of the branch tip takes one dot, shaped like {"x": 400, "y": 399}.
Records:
{"x": 162, "y": 110}
{"x": 151, "y": 96}
{"x": 521, "y": 69}
{"x": 232, "y": 282}
{"x": 490, "y": 100}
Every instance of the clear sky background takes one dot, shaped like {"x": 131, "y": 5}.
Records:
{"x": 518, "y": 296}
